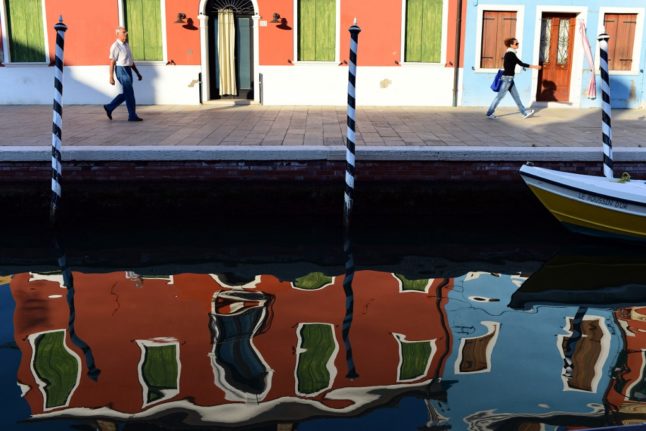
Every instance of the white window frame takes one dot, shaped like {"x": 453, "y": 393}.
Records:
{"x": 445, "y": 23}
{"x": 401, "y": 339}
{"x": 337, "y": 39}
{"x": 6, "y": 54}
{"x": 492, "y": 328}
{"x": 637, "y": 43}
{"x": 520, "y": 21}
{"x": 162, "y": 11}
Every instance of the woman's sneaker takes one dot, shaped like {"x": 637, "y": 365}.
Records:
{"x": 528, "y": 113}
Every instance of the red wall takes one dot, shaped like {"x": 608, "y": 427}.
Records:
{"x": 91, "y": 31}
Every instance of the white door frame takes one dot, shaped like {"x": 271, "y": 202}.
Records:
{"x": 204, "y": 50}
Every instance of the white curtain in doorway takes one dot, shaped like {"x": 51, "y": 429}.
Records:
{"x": 226, "y": 52}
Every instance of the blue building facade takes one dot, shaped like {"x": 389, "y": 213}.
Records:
{"x": 553, "y": 33}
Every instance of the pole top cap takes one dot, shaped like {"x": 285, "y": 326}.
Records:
{"x": 354, "y": 27}
{"x": 603, "y": 35}
{"x": 60, "y": 26}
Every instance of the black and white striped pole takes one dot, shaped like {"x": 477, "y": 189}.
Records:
{"x": 57, "y": 119}
{"x": 349, "y": 304}
{"x": 606, "y": 113}
{"x": 350, "y": 136}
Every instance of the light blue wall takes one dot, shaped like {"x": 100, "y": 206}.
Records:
{"x": 627, "y": 91}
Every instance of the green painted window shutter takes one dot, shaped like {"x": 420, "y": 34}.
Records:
{"x": 415, "y": 356}
{"x": 423, "y": 31}
{"x": 55, "y": 366}
{"x": 316, "y": 30}
{"x": 316, "y": 348}
{"x": 26, "y": 35}
{"x": 160, "y": 370}
{"x": 143, "y": 21}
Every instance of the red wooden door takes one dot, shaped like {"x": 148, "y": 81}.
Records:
{"x": 557, "y": 38}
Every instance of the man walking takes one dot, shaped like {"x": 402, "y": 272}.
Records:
{"x": 122, "y": 63}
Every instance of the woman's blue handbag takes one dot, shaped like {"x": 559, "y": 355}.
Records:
{"x": 497, "y": 81}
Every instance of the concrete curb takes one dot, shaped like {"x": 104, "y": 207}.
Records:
{"x": 306, "y": 153}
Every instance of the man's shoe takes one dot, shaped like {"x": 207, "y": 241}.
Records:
{"x": 136, "y": 119}
{"x": 528, "y": 113}
{"x": 107, "y": 112}
{"x": 491, "y": 117}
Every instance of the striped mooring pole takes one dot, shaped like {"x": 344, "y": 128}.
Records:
{"x": 57, "y": 126}
{"x": 349, "y": 304}
{"x": 350, "y": 138}
{"x": 606, "y": 113}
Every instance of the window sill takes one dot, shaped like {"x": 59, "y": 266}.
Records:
{"x": 26, "y": 64}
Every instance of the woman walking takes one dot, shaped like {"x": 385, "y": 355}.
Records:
{"x": 509, "y": 64}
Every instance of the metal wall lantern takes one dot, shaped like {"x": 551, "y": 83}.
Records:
{"x": 275, "y": 18}
{"x": 181, "y": 16}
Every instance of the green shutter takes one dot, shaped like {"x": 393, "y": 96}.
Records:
{"x": 160, "y": 370}
{"x": 316, "y": 30}
{"x": 423, "y": 31}
{"x": 26, "y": 35}
{"x": 415, "y": 356}
{"x": 143, "y": 21}
{"x": 315, "y": 351}
{"x": 418, "y": 285}
{"x": 312, "y": 281}
{"x": 55, "y": 366}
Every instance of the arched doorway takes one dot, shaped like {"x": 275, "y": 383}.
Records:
{"x": 230, "y": 55}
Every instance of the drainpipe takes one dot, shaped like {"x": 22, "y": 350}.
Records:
{"x": 456, "y": 61}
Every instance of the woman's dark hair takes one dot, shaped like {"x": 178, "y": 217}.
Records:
{"x": 509, "y": 42}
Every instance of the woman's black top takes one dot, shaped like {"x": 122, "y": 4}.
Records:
{"x": 510, "y": 61}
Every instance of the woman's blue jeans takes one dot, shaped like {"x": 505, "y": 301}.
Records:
{"x": 124, "y": 76}
{"x": 507, "y": 86}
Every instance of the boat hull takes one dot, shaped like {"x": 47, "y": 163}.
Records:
{"x": 590, "y": 205}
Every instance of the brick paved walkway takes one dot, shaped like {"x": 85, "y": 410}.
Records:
{"x": 256, "y": 126}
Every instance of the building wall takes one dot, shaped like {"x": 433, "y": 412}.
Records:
{"x": 627, "y": 88}
{"x": 383, "y": 77}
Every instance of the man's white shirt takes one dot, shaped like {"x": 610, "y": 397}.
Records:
{"x": 120, "y": 52}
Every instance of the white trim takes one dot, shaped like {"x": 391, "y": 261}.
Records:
{"x": 576, "y": 72}
{"x": 6, "y": 54}
{"x": 164, "y": 36}
{"x": 337, "y": 38}
{"x": 639, "y": 29}
{"x": 444, "y": 36}
{"x": 204, "y": 55}
{"x": 520, "y": 22}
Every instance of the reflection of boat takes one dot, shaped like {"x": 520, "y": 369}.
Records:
{"x": 590, "y": 204}
{"x": 585, "y": 280}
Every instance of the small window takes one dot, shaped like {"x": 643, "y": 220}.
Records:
{"x": 159, "y": 370}
{"x": 475, "y": 353}
{"x": 621, "y": 29}
{"x": 423, "y": 31}
{"x": 414, "y": 358}
{"x": 26, "y": 32}
{"x": 316, "y": 30}
{"x": 143, "y": 21}
{"x": 496, "y": 27}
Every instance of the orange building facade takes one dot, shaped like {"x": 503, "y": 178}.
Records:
{"x": 280, "y": 52}
{"x": 263, "y": 350}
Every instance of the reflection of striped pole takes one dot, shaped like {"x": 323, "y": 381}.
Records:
{"x": 68, "y": 280}
{"x": 349, "y": 304}
{"x": 350, "y": 139}
{"x": 606, "y": 128}
{"x": 57, "y": 118}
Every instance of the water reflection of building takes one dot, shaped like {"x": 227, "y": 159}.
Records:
{"x": 260, "y": 350}
{"x": 509, "y": 365}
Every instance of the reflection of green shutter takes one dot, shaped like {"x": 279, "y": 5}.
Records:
{"x": 316, "y": 349}
{"x": 26, "y": 36}
{"x": 415, "y": 356}
{"x": 160, "y": 370}
{"x": 423, "y": 31}
{"x": 416, "y": 285}
{"x": 143, "y": 21}
{"x": 316, "y": 30}
{"x": 56, "y": 367}
{"x": 312, "y": 281}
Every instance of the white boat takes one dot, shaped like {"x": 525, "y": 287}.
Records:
{"x": 590, "y": 204}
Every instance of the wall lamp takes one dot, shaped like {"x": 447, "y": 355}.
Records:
{"x": 180, "y": 18}
{"x": 275, "y": 18}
